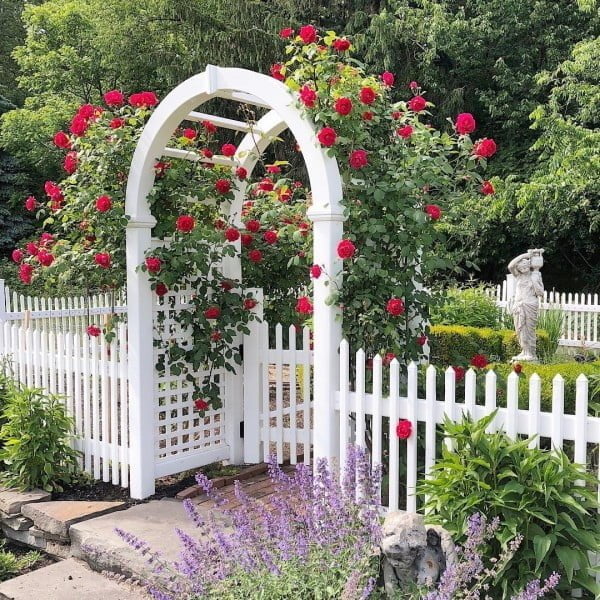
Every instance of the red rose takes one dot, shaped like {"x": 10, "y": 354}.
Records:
{"x": 93, "y": 330}
{"x": 61, "y": 140}
{"x": 209, "y": 127}
{"x": 189, "y": 133}
{"x": 143, "y": 99}
{"x": 367, "y": 115}
{"x": 346, "y": 249}
{"x": 86, "y": 111}
{"x": 276, "y": 73}
{"x": 417, "y": 103}
{"x": 413, "y": 85}
{"x": 405, "y": 132}
{"x": 250, "y": 303}
{"x": 161, "y": 168}
{"x": 70, "y": 162}
{"x": 31, "y": 203}
{"x": 31, "y": 248}
{"x": 343, "y": 106}
{"x": 286, "y": 32}
{"x": 114, "y": 98}
{"x": 185, "y": 223}
{"x": 53, "y": 190}
{"x": 247, "y": 240}
{"x": 116, "y": 123}
{"x": 273, "y": 169}
{"x": 308, "y": 96}
{"x": 161, "y": 289}
{"x": 228, "y": 149}
{"x": 223, "y": 186}
{"x": 422, "y": 340}
{"x": 253, "y": 226}
{"x": 304, "y": 305}
{"x": 388, "y": 358}
{"x": 255, "y": 256}
{"x": 479, "y": 361}
{"x": 434, "y": 211}
{"x": 213, "y": 312}
{"x": 465, "y": 123}
{"x": 341, "y": 45}
{"x": 200, "y": 404}
{"x": 387, "y": 78}
{"x": 358, "y": 159}
{"x": 397, "y": 114}
{"x": 266, "y": 185}
{"x": 367, "y": 95}
{"x": 284, "y": 194}
{"x": 232, "y": 234}
{"x": 220, "y": 224}
{"x": 45, "y": 258}
{"x": 241, "y": 173}
{"x": 459, "y": 373}
{"x": 270, "y": 237}
{"x": 207, "y": 153}
{"x": 215, "y": 336}
{"x": 103, "y": 203}
{"x": 327, "y": 136}
{"x": 153, "y": 264}
{"x": 395, "y": 307}
{"x": 315, "y": 271}
{"x": 517, "y": 368}
{"x": 485, "y": 148}
{"x": 25, "y": 272}
{"x": 17, "y": 256}
{"x": 308, "y": 34}
{"x": 79, "y": 125}
{"x": 404, "y": 429}
{"x": 487, "y": 189}
{"x": 102, "y": 259}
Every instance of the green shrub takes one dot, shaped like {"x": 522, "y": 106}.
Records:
{"x": 569, "y": 371}
{"x": 470, "y": 307}
{"x": 533, "y": 492}
{"x": 11, "y": 565}
{"x": 456, "y": 344}
{"x": 36, "y": 437}
{"x": 551, "y": 321}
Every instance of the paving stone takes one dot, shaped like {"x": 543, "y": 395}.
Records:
{"x": 17, "y": 522}
{"x": 11, "y": 501}
{"x": 67, "y": 580}
{"x": 24, "y": 537}
{"x": 57, "y": 517}
{"x": 40, "y": 533}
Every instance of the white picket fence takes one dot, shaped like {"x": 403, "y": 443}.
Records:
{"x": 91, "y": 375}
{"x": 581, "y": 325}
{"x": 358, "y": 406}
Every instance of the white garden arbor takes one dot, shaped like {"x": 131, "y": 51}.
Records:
{"x": 326, "y": 213}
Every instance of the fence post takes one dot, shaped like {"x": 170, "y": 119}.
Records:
{"x": 140, "y": 353}
{"x": 253, "y": 354}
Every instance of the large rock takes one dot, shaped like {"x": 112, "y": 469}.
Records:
{"x": 11, "y": 501}
{"x": 412, "y": 552}
{"x": 57, "y": 517}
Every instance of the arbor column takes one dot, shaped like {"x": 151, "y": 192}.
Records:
{"x": 140, "y": 356}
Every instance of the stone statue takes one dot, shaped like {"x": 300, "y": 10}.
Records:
{"x": 413, "y": 553}
{"x": 524, "y": 307}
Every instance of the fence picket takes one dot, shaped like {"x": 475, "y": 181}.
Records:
{"x": 411, "y": 442}
{"x": 430, "y": 417}
{"x": 279, "y": 391}
{"x": 293, "y": 401}
{"x": 535, "y": 396}
{"x": 449, "y": 399}
{"x": 376, "y": 445}
{"x": 394, "y": 483}
{"x": 490, "y": 398}
{"x": 344, "y": 412}
{"x": 306, "y": 394}
{"x": 121, "y": 355}
{"x": 359, "y": 396}
{"x": 470, "y": 389}
{"x": 581, "y": 413}
{"x": 558, "y": 409}
{"x": 104, "y": 409}
{"x": 512, "y": 405}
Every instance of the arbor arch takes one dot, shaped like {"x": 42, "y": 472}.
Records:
{"x": 326, "y": 213}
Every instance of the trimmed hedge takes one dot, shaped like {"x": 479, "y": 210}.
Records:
{"x": 456, "y": 344}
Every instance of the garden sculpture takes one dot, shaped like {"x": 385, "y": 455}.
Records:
{"x": 413, "y": 553}
{"x": 524, "y": 307}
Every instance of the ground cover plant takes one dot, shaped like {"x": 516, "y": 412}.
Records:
{"x": 534, "y": 493}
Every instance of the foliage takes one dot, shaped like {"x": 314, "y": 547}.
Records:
{"x": 568, "y": 371}
{"x": 306, "y": 543}
{"x": 456, "y": 344}
{"x": 551, "y": 321}
{"x": 534, "y": 493}
{"x": 37, "y": 437}
{"x": 11, "y": 564}
{"x": 471, "y": 307}
{"x": 393, "y": 163}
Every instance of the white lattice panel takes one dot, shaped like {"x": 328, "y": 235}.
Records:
{"x": 183, "y": 439}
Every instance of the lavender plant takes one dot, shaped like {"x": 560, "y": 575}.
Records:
{"x": 316, "y": 538}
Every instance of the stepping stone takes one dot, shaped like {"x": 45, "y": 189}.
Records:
{"x": 11, "y": 501}
{"x": 68, "y": 580}
{"x": 57, "y": 517}
{"x": 96, "y": 542}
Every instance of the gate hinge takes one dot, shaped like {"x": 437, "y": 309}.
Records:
{"x": 242, "y": 429}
